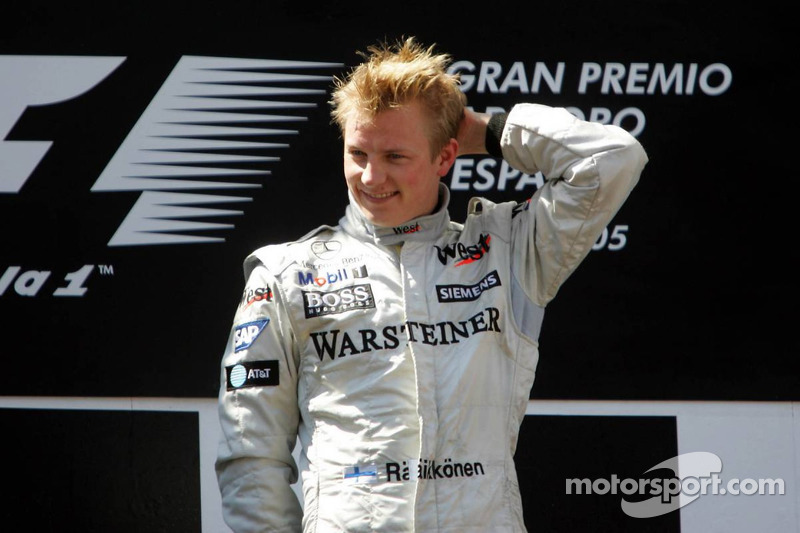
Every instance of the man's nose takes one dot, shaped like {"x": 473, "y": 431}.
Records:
{"x": 372, "y": 174}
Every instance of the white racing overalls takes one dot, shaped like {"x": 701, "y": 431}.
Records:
{"x": 404, "y": 357}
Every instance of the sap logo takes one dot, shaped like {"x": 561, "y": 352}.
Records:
{"x": 180, "y": 145}
{"x": 465, "y": 254}
{"x": 246, "y": 334}
{"x": 318, "y": 303}
{"x": 467, "y": 293}
{"x": 402, "y": 230}
{"x": 328, "y": 278}
{"x": 252, "y": 374}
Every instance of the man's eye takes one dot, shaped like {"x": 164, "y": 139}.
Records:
{"x": 396, "y": 156}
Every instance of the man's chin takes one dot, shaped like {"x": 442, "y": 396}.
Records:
{"x": 384, "y": 220}
{"x": 382, "y": 223}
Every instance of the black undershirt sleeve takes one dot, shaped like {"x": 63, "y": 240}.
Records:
{"x": 494, "y": 131}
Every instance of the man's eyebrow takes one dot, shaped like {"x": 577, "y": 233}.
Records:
{"x": 390, "y": 150}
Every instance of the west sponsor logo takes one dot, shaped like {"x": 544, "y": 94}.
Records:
{"x": 462, "y": 253}
{"x": 258, "y": 294}
{"x": 467, "y": 293}
{"x": 318, "y": 303}
{"x": 329, "y": 278}
{"x": 252, "y": 374}
{"x": 245, "y": 334}
{"x": 411, "y": 228}
{"x": 336, "y": 343}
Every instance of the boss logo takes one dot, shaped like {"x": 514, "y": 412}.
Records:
{"x": 317, "y": 303}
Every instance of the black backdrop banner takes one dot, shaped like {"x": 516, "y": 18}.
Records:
{"x": 146, "y": 148}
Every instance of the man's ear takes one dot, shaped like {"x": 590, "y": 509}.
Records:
{"x": 447, "y": 157}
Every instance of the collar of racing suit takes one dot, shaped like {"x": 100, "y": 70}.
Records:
{"x": 424, "y": 228}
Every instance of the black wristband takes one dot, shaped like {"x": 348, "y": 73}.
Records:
{"x": 494, "y": 131}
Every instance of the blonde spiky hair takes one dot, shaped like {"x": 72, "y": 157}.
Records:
{"x": 395, "y": 75}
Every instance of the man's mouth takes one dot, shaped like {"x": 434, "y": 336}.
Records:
{"x": 378, "y": 196}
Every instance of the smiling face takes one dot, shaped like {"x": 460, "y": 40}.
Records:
{"x": 388, "y": 165}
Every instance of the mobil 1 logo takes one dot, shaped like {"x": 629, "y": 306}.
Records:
{"x": 321, "y": 303}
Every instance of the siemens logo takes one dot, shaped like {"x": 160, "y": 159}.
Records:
{"x": 467, "y": 293}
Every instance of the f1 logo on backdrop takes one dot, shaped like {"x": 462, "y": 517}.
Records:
{"x": 34, "y": 81}
{"x": 175, "y": 148}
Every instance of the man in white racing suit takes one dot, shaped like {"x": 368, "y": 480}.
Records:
{"x": 401, "y": 346}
